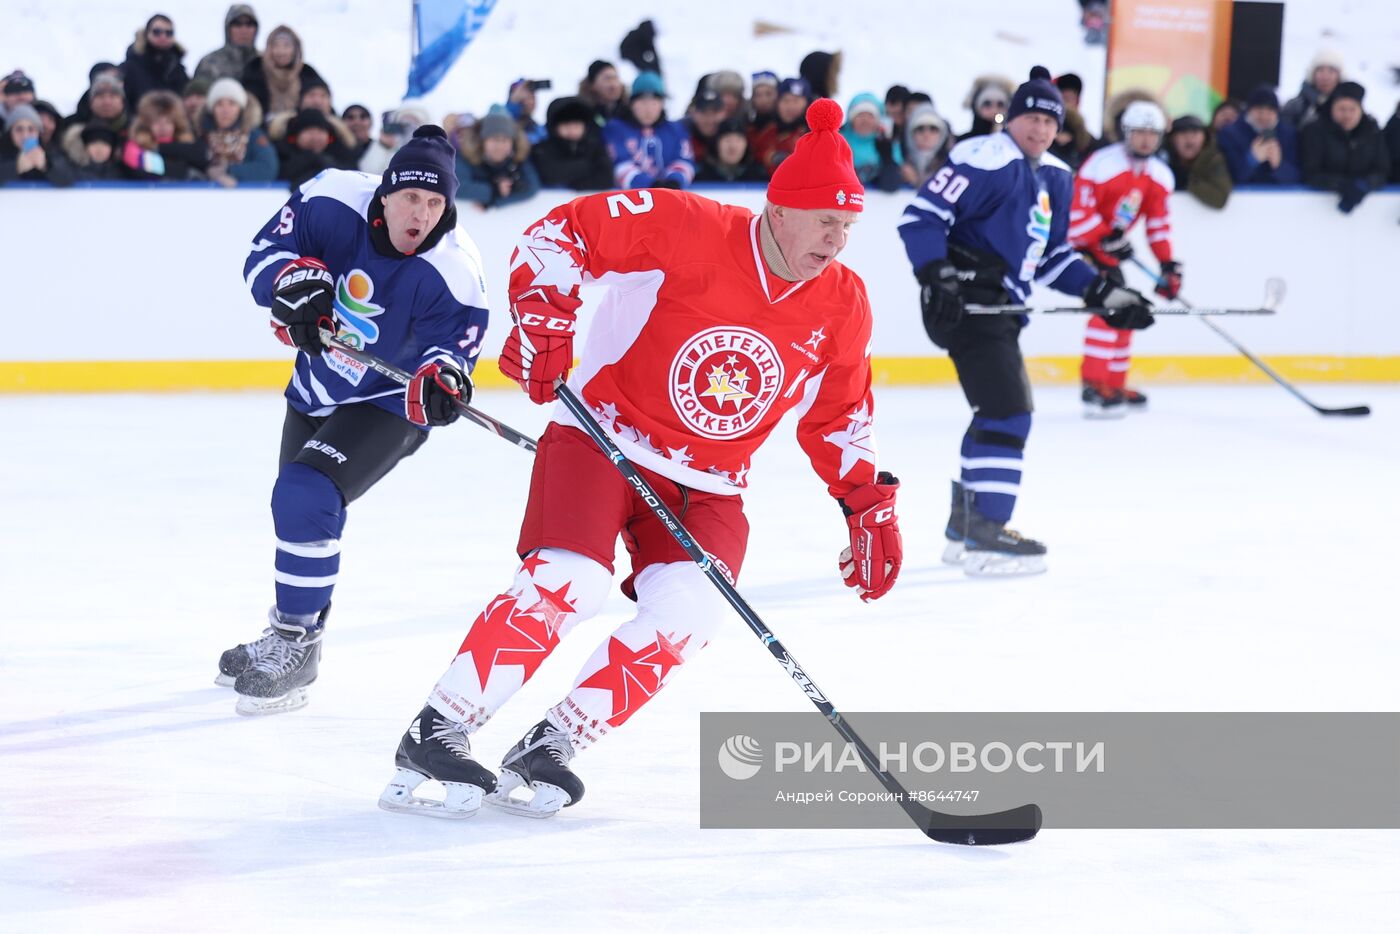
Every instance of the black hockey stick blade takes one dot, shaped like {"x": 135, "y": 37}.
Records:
{"x": 402, "y": 377}
{"x": 1014, "y": 826}
{"x": 1349, "y": 410}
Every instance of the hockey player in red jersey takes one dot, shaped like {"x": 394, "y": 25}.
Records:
{"x": 715, "y": 324}
{"x": 1116, "y": 185}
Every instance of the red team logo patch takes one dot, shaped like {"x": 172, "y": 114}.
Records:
{"x": 724, "y": 379}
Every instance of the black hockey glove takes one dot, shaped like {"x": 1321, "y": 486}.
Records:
{"x": 939, "y": 295}
{"x": 433, "y": 393}
{"x": 1115, "y": 243}
{"x": 1124, "y": 309}
{"x": 302, "y": 304}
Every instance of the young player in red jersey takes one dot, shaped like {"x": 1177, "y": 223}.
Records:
{"x": 717, "y": 322}
{"x": 1116, "y": 185}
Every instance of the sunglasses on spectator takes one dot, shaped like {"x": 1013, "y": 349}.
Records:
{"x": 158, "y": 32}
{"x": 996, "y": 102}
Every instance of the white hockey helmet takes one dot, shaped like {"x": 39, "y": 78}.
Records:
{"x": 1143, "y": 115}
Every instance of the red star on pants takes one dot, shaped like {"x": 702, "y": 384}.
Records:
{"x": 633, "y": 677}
{"x": 552, "y": 607}
{"x": 503, "y": 635}
{"x": 532, "y": 563}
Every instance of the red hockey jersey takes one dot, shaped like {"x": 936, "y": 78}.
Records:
{"x": 1113, "y": 189}
{"x": 697, "y": 351}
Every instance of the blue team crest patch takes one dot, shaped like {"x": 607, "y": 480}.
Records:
{"x": 356, "y": 311}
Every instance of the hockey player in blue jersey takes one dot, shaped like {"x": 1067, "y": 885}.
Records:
{"x": 381, "y": 263}
{"x": 980, "y": 231}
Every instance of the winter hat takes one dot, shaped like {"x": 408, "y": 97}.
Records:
{"x": 648, "y": 82}
{"x": 708, "y": 99}
{"x": 1349, "y": 89}
{"x": 597, "y": 68}
{"x": 309, "y": 119}
{"x": 797, "y": 86}
{"x": 20, "y": 113}
{"x": 425, "y": 161}
{"x": 821, "y": 173}
{"x": 1262, "y": 96}
{"x": 864, "y": 103}
{"x": 497, "y": 122}
{"x": 97, "y": 133}
{"x": 106, "y": 82}
{"x": 991, "y": 91}
{"x": 820, "y": 69}
{"x": 896, "y": 94}
{"x": 730, "y": 82}
{"x": 1326, "y": 57}
{"x": 227, "y": 89}
{"x": 1038, "y": 95}
{"x": 568, "y": 110}
{"x": 198, "y": 86}
{"x": 732, "y": 125}
{"x": 19, "y": 84}
{"x": 764, "y": 77}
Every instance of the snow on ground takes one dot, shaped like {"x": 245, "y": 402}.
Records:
{"x": 1226, "y": 551}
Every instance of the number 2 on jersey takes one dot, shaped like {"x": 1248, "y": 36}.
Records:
{"x": 618, "y": 202}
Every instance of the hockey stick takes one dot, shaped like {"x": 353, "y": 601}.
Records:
{"x": 1270, "y": 305}
{"x": 1010, "y": 826}
{"x": 402, "y": 377}
{"x": 1276, "y": 288}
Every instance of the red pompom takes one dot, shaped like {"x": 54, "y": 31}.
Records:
{"x": 824, "y": 114}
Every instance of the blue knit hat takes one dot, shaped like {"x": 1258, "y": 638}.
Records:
{"x": 426, "y": 161}
{"x": 1038, "y": 95}
{"x": 648, "y": 82}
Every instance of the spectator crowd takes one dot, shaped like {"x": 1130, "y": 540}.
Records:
{"x": 250, "y": 114}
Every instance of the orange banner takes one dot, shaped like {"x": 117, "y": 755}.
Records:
{"x": 1178, "y": 50}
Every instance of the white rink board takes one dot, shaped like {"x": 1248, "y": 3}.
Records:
{"x": 160, "y": 274}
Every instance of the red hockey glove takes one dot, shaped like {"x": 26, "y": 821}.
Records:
{"x": 1170, "y": 284}
{"x": 302, "y": 304}
{"x": 872, "y": 562}
{"x": 432, "y": 392}
{"x": 540, "y": 348}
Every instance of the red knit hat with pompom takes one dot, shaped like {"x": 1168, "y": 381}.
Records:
{"x": 821, "y": 173}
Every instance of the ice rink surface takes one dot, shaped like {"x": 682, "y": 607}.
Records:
{"x": 1226, "y": 551}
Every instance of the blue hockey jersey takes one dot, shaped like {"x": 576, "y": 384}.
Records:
{"x": 989, "y": 197}
{"x": 643, "y": 156}
{"x": 406, "y": 310}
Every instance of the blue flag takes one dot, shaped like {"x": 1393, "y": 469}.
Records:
{"x": 441, "y": 30}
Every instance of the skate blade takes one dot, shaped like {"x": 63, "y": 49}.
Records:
{"x": 545, "y": 802}
{"x": 985, "y": 564}
{"x": 954, "y": 553}
{"x": 460, "y": 801}
{"x": 294, "y": 699}
{"x": 1099, "y": 413}
{"x": 223, "y": 680}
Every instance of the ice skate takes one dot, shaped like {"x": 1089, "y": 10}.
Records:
{"x": 956, "y": 530}
{"x": 993, "y": 550}
{"x": 541, "y": 761}
{"x": 1101, "y": 402}
{"x": 276, "y": 682}
{"x": 1136, "y": 401}
{"x": 241, "y": 657}
{"x": 438, "y": 749}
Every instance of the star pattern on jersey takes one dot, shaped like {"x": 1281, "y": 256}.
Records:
{"x": 505, "y": 635}
{"x": 855, "y": 440}
{"x": 680, "y": 455}
{"x": 552, "y": 264}
{"x": 607, "y": 414}
{"x": 634, "y": 676}
{"x": 728, "y": 385}
{"x": 816, "y": 339}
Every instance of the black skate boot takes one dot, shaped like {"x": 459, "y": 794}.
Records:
{"x": 277, "y": 681}
{"x": 240, "y": 658}
{"x": 956, "y": 529}
{"x": 540, "y": 760}
{"x": 1137, "y": 401}
{"x": 1102, "y": 402}
{"x": 993, "y": 550}
{"x": 437, "y": 748}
